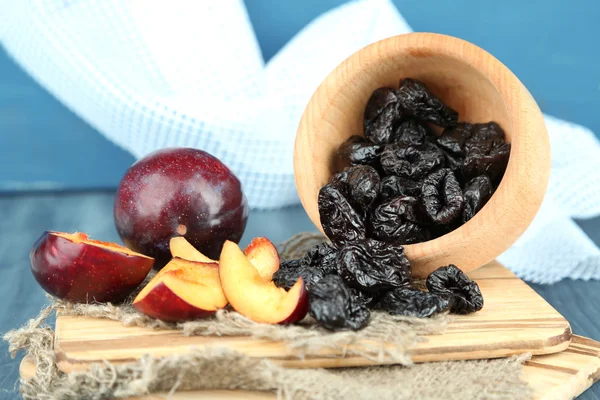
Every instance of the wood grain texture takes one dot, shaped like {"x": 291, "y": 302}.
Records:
{"x": 557, "y": 376}
{"x": 474, "y": 83}
{"x": 567, "y": 374}
{"x": 514, "y": 320}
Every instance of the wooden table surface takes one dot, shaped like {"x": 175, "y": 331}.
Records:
{"x": 23, "y": 219}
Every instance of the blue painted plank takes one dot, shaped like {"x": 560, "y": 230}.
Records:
{"x": 44, "y": 145}
{"x": 551, "y": 45}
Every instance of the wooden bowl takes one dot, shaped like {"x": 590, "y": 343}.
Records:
{"x": 475, "y": 84}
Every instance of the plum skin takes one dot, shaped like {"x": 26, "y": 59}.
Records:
{"x": 179, "y": 192}
{"x": 166, "y": 305}
{"x": 301, "y": 308}
{"x": 81, "y": 272}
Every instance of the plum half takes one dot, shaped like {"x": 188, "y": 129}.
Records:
{"x": 179, "y": 192}
{"x": 71, "y": 266}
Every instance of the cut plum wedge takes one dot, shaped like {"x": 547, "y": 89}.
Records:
{"x": 254, "y": 297}
{"x": 183, "y": 290}
{"x": 263, "y": 254}
{"x": 73, "y": 267}
{"x": 181, "y": 248}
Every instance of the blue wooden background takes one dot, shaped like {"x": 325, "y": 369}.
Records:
{"x": 551, "y": 45}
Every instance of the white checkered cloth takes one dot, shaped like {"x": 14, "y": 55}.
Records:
{"x": 151, "y": 74}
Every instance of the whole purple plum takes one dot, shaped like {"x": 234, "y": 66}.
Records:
{"x": 179, "y": 192}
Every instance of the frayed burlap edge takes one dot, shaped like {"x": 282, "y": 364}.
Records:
{"x": 218, "y": 368}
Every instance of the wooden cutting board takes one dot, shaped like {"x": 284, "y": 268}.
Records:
{"x": 563, "y": 375}
{"x": 514, "y": 320}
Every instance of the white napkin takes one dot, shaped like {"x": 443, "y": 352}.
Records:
{"x": 150, "y": 74}
{"x": 554, "y": 247}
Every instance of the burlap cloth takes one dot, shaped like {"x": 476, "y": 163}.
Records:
{"x": 220, "y": 368}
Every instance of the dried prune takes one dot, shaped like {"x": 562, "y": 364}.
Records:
{"x": 488, "y": 132}
{"x": 373, "y": 266}
{"x": 340, "y": 182}
{"x": 381, "y": 128}
{"x": 466, "y": 296}
{"x": 290, "y": 271}
{"x": 290, "y": 264}
{"x": 476, "y": 193}
{"x": 379, "y": 100}
{"x": 455, "y": 163}
{"x": 493, "y": 164}
{"x": 396, "y": 221}
{"x": 394, "y": 186}
{"x": 442, "y": 197}
{"x": 413, "y": 302}
{"x": 357, "y": 150}
{"x": 412, "y": 165}
{"x": 410, "y": 132}
{"x": 412, "y": 162}
{"x": 319, "y": 261}
{"x": 332, "y": 304}
{"x": 486, "y": 152}
{"x": 340, "y": 221}
{"x": 453, "y": 139}
{"x": 367, "y": 298}
{"x": 417, "y": 101}
{"x": 323, "y": 256}
{"x": 363, "y": 183}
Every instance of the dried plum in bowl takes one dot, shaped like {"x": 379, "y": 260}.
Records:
{"x": 471, "y": 88}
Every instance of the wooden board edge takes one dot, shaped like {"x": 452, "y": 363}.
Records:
{"x": 577, "y": 383}
{"x": 550, "y": 345}
{"x": 557, "y": 344}
{"x": 578, "y": 366}
{"x": 541, "y": 346}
